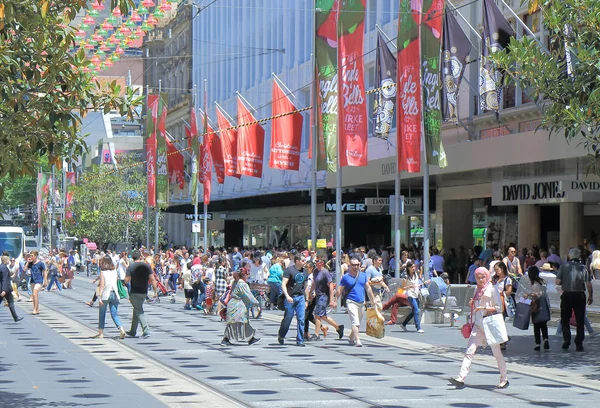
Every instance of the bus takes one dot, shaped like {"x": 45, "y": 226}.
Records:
{"x": 12, "y": 241}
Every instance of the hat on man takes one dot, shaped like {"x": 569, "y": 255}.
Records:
{"x": 547, "y": 267}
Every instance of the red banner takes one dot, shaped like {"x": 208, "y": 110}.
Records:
{"x": 408, "y": 129}
{"x": 175, "y": 164}
{"x": 352, "y": 98}
{"x": 251, "y": 143}
{"x": 71, "y": 180}
{"x": 286, "y": 133}
{"x": 228, "y": 145}
{"x": 216, "y": 154}
{"x": 206, "y": 162}
{"x": 152, "y": 120}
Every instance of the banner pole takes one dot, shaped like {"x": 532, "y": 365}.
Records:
{"x": 338, "y": 178}
{"x": 157, "y": 208}
{"x": 205, "y": 176}
{"x": 146, "y": 146}
{"x": 314, "y": 152}
{"x": 195, "y": 234}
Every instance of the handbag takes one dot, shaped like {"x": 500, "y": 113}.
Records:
{"x": 542, "y": 315}
{"x": 467, "y": 328}
{"x": 522, "y": 316}
{"x": 495, "y": 329}
{"x": 122, "y": 290}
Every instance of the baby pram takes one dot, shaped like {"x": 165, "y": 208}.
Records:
{"x": 162, "y": 290}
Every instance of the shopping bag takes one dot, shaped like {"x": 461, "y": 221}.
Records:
{"x": 573, "y": 320}
{"x": 522, "y": 316}
{"x": 122, "y": 290}
{"x": 495, "y": 329}
{"x": 375, "y": 323}
{"x": 543, "y": 313}
{"x": 510, "y": 307}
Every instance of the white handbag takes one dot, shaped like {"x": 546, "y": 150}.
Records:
{"x": 495, "y": 329}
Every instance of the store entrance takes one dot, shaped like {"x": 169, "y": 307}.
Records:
{"x": 550, "y": 226}
{"x": 369, "y": 230}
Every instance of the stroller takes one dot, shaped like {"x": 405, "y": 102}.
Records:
{"x": 162, "y": 290}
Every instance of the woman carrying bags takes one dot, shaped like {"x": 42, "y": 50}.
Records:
{"x": 109, "y": 296}
{"x": 485, "y": 302}
{"x": 539, "y": 307}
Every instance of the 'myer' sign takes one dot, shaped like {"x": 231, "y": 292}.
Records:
{"x": 355, "y": 207}
{"x": 540, "y": 191}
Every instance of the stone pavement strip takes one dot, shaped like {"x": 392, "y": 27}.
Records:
{"x": 403, "y": 369}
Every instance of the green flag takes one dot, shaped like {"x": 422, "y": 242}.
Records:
{"x": 162, "y": 171}
{"x": 431, "y": 43}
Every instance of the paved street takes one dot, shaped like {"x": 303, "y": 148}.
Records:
{"x": 50, "y": 360}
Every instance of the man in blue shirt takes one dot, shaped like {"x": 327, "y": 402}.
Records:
{"x": 471, "y": 276}
{"x": 436, "y": 263}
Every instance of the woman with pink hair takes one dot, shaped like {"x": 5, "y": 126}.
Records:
{"x": 485, "y": 302}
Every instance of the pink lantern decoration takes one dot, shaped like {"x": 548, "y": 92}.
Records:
{"x": 166, "y": 6}
{"x": 135, "y": 17}
{"x": 89, "y": 20}
{"x": 116, "y": 12}
{"x": 97, "y": 5}
{"x": 148, "y": 3}
{"x": 107, "y": 26}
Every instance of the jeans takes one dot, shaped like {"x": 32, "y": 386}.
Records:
{"x": 113, "y": 302}
{"x": 54, "y": 279}
{"x": 137, "y": 302}
{"x": 414, "y": 305}
{"x": 297, "y": 307}
{"x": 274, "y": 293}
{"x": 173, "y": 279}
{"x": 394, "y": 302}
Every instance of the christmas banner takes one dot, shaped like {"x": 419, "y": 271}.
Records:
{"x": 286, "y": 132}
{"x": 353, "y": 110}
{"x": 175, "y": 164}
{"x": 456, "y": 48}
{"x": 151, "y": 122}
{"x": 385, "y": 99}
{"x": 251, "y": 143}
{"x": 326, "y": 43}
{"x": 71, "y": 180}
{"x": 431, "y": 41}
{"x": 41, "y": 198}
{"x": 408, "y": 128}
{"x": 206, "y": 163}
{"x": 496, "y": 36}
{"x": 162, "y": 169}
{"x": 228, "y": 144}
{"x": 216, "y": 154}
{"x": 194, "y": 143}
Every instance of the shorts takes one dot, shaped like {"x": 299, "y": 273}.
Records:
{"x": 321, "y": 306}
{"x": 37, "y": 286}
{"x": 189, "y": 293}
{"x": 355, "y": 312}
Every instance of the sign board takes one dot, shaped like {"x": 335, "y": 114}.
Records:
{"x": 350, "y": 207}
{"x": 196, "y": 227}
{"x": 190, "y": 217}
{"x": 411, "y": 204}
{"x": 321, "y": 243}
{"x": 542, "y": 191}
{"x": 91, "y": 246}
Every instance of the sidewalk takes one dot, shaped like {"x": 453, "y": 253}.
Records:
{"x": 41, "y": 368}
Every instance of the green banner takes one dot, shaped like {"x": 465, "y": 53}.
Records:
{"x": 162, "y": 171}
{"x": 326, "y": 40}
{"x": 431, "y": 43}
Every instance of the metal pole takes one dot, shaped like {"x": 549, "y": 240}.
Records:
{"x": 51, "y": 218}
{"x": 146, "y": 143}
{"x": 195, "y": 234}
{"x": 314, "y": 152}
{"x": 338, "y": 183}
{"x": 210, "y": 175}
{"x": 157, "y": 208}
{"x": 426, "y": 243}
{"x": 397, "y": 207}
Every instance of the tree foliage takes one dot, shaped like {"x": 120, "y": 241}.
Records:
{"x": 109, "y": 207}
{"x": 43, "y": 87}
{"x": 565, "y": 80}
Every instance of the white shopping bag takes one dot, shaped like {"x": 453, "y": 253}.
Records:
{"x": 495, "y": 329}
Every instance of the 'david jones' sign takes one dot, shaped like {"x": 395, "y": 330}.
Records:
{"x": 541, "y": 191}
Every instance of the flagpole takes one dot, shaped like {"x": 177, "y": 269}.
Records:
{"x": 197, "y": 164}
{"x": 338, "y": 178}
{"x": 426, "y": 243}
{"x": 157, "y": 208}
{"x": 148, "y": 112}
{"x": 205, "y": 176}
{"x": 397, "y": 187}
{"x": 314, "y": 152}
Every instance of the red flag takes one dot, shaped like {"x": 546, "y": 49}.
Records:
{"x": 152, "y": 114}
{"x": 286, "y": 133}
{"x": 192, "y": 131}
{"x": 228, "y": 145}
{"x": 70, "y": 176}
{"x": 409, "y": 88}
{"x": 216, "y": 154}
{"x": 251, "y": 143}
{"x": 206, "y": 165}
{"x": 352, "y": 98}
{"x": 175, "y": 165}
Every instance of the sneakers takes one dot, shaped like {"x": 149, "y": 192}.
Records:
{"x": 253, "y": 340}
{"x": 352, "y": 342}
{"x": 300, "y": 344}
{"x": 340, "y": 331}
{"x": 403, "y": 327}
{"x": 546, "y": 345}
{"x": 420, "y": 331}
{"x": 129, "y": 334}
{"x": 122, "y": 333}
{"x": 187, "y": 307}
{"x": 537, "y": 347}
{"x": 457, "y": 383}
{"x": 313, "y": 337}
{"x": 280, "y": 340}
{"x": 226, "y": 343}
{"x": 146, "y": 336}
